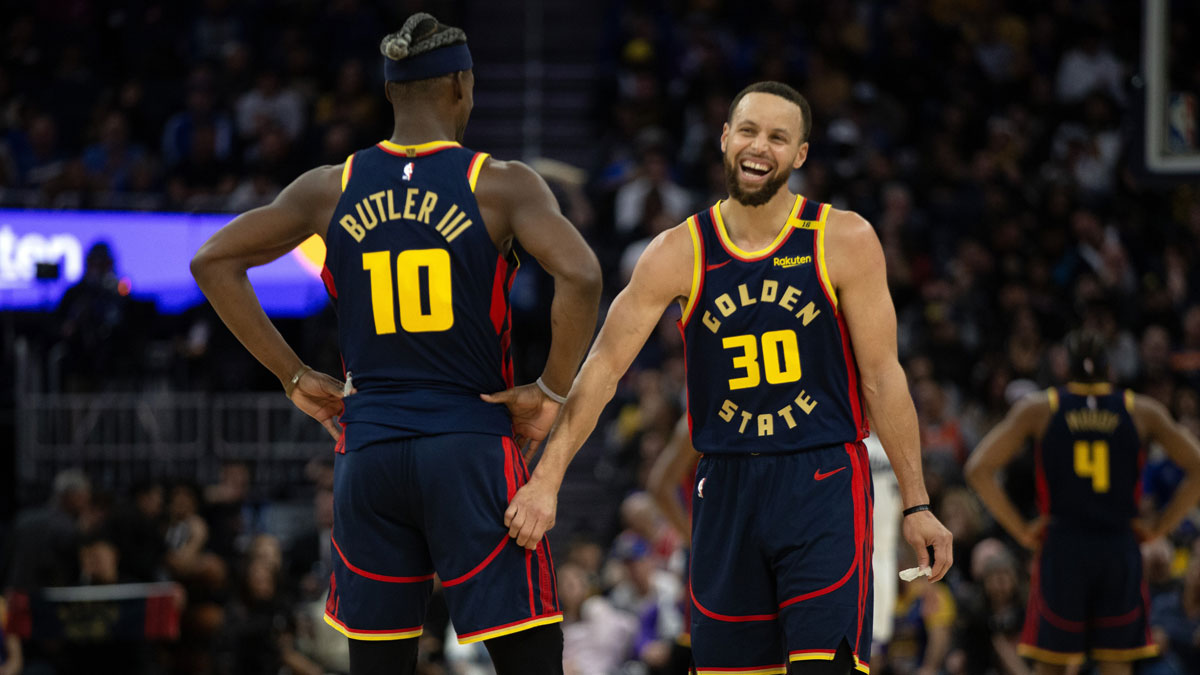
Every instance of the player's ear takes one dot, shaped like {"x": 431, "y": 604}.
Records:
{"x": 724, "y": 136}
{"x": 459, "y": 84}
{"x": 801, "y": 155}
{"x": 387, "y": 91}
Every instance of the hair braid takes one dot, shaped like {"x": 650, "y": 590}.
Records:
{"x": 421, "y": 33}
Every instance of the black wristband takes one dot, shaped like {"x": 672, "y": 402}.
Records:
{"x": 916, "y": 509}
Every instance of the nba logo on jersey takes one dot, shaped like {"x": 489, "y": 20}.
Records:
{"x": 408, "y": 169}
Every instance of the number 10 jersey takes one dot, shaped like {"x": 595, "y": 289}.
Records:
{"x": 421, "y": 291}
{"x": 770, "y": 368}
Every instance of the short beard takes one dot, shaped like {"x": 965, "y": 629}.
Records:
{"x": 756, "y": 197}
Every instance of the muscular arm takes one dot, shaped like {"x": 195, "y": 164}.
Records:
{"x": 1155, "y": 424}
{"x": 1027, "y": 419}
{"x": 535, "y": 220}
{"x": 257, "y": 237}
{"x": 663, "y": 275}
{"x": 857, "y": 270}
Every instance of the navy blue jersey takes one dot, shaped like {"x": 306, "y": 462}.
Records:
{"x": 769, "y": 362}
{"x": 1089, "y": 460}
{"x": 421, "y": 291}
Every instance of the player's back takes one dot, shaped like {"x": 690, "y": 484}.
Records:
{"x": 421, "y": 291}
{"x": 1090, "y": 458}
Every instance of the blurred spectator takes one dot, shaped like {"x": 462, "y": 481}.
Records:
{"x": 1088, "y": 67}
{"x": 1175, "y": 622}
{"x": 111, "y": 161}
{"x": 92, "y": 323}
{"x": 270, "y": 103}
{"x": 43, "y": 548}
{"x": 597, "y": 637}
{"x": 201, "y": 112}
{"x": 925, "y": 617}
{"x": 138, "y": 531}
{"x": 652, "y": 201}
{"x": 992, "y": 620}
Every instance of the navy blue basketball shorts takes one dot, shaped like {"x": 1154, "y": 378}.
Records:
{"x": 781, "y": 560}
{"x": 1087, "y": 598}
{"x": 405, "y": 509}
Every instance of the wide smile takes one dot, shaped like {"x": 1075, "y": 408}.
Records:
{"x": 753, "y": 171}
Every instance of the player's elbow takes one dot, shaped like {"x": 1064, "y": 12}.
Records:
{"x": 584, "y": 275}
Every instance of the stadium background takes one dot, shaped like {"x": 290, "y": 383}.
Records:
{"x": 997, "y": 147}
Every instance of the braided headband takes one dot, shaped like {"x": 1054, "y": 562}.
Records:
{"x": 441, "y": 61}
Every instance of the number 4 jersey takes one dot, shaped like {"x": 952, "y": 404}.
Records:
{"x": 1089, "y": 460}
{"x": 770, "y": 367}
{"x": 421, "y": 291}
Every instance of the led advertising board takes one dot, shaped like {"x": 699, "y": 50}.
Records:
{"x": 151, "y": 252}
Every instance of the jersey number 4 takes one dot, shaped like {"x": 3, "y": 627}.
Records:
{"x": 1091, "y": 461}
{"x": 422, "y": 284}
{"x": 780, "y": 355}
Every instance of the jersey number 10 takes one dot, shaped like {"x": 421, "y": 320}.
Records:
{"x": 1091, "y": 461}
{"x": 422, "y": 284}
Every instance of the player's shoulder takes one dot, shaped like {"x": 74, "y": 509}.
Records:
{"x": 670, "y": 260}
{"x": 848, "y": 226}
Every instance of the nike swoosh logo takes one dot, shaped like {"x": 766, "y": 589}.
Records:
{"x": 822, "y": 476}
{"x": 722, "y": 264}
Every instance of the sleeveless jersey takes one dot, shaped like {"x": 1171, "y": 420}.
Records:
{"x": 769, "y": 364}
{"x": 1089, "y": 461}
{"x": 421, "y": 291}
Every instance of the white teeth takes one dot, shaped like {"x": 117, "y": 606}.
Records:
{"x": 757, "y": 166}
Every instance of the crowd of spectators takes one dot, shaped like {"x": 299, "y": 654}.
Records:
{"x": 986, "y": 141}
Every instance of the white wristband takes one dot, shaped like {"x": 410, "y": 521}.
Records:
{"x": 549, "y": 394}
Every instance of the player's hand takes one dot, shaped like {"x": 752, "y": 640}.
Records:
{"x": 532, "y": 414}
{"x": 320, "y": 397}
{"x": 1031, "y": 534}
{"x": 530, "y": 514}
{"x": 923, "y": 529}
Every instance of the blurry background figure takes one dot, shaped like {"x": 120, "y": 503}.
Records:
{"x": 92, "y": 320}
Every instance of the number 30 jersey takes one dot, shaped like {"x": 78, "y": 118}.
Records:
{"x": 770, "y": 368}
{"x": 421, "y": 291}
{"x": 1090, "y": 458}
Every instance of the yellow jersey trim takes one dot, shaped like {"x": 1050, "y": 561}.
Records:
{"x": 1052, "y": 396}
{"x": 476, "y": 168}
{"x": 697, "y": 271}
{"x": 821, "y": 258}
{"x": 773, "y": 670}
{"x": 1130, "y": 400}
{"x": 750, "y": 255}
{"x": 373, "y": 636}
{"x": 1047, "y": 656}
{"x": 419, "y": 149}
{"x": 1089, "y": 388}
{"x": 1133, "y": 654}
{"x": 827, "y": 655}
{"x": 509, "y": 630}
{"x": 346, "y": 171}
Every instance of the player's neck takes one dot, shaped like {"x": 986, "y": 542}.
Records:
{"x": 750, "y": 225}
{"x": 414, "y": 127}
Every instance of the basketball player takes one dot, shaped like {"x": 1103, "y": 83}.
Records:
{"x": 1087, "y": 596}
{"x": 419, "y": 232}
{"x": 789, "y": 331}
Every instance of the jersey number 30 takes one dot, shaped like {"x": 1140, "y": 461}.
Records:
{"x": 422, "y": 284}
{"x": 1091, "y": 461}
{"x": 781, "y": 358}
